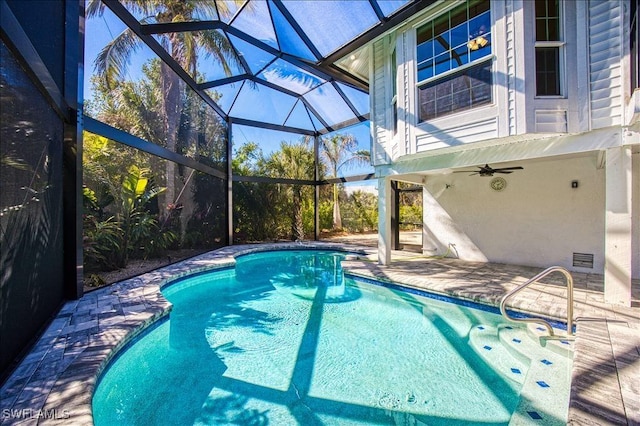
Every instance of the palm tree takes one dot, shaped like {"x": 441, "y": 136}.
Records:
{"x": 341, "y": 151}
{"x": 293, "y": 161}
{"x": 111, "y": 63}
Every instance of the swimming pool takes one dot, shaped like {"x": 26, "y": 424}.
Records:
{"x": 284, "y": 338}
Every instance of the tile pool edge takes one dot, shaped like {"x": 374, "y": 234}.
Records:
{"x": 452, "y": 297}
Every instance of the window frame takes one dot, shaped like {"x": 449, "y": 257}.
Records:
{"x": 560, "y": 45}
{"x": 489, "y": 57}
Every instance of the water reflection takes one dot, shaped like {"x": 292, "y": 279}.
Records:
{"x": 299, "y": 273}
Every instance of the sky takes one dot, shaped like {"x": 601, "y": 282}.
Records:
{"x": 100, "y": 30}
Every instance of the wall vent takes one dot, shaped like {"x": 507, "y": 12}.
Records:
{"x": 583, "y": 260}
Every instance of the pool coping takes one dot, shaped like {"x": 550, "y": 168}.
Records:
{"x": 63, "y": 367}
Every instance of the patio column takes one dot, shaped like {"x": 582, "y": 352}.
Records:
{"x": 618, "y": 230}
{"x": 384, "y": 221}
{"x": 229, "y": 182}
{"x": 394, "y": 211}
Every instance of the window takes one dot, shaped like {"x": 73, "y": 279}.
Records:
{"x": 454, "y": 60}
{"x": 548, "y": 48}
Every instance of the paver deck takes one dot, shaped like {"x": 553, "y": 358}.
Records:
{"x": 54, "y": 383}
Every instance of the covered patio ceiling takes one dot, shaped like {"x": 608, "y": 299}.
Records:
{"x": 294, "y": 66}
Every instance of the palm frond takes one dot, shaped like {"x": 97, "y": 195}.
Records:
{"x": 112, "y": 61}
{"x": 358, "y": 158}
{"x": 94, "y": 8}
{"x": 16, "y": 163}
{"x": 204, "y": 10}
{"x": 217, "y": 45}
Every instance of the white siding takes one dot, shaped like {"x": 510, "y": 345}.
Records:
{"x": 403, "y": 92}
{"x": 511, "y": 69}
{"x": 605, "y": 59}
{"x": 551, "y": 121}
{"x": 379, "y": 105}
{"x": 458, "y": 135}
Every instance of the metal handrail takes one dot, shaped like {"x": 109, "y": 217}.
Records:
{"x": 541, "y": 275}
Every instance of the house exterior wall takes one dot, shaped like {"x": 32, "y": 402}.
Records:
{"x": 593, "y": 91}
{"x": 539, "y": 219}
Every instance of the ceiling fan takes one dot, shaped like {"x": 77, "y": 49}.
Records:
{"x": 486, "y": 170}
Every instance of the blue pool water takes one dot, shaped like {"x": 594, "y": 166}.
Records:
{"x": 284, "y": 339}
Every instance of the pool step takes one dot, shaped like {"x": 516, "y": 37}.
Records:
{"x": 558, "y": 345}
{"x": 541, "y": 380}
{"x": 545, "y": 392}
{"x": 546, "y": 377}
{"x": 486, "y": 342}
{"x": 523, "y": 344}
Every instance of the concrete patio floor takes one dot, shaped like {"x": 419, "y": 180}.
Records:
{"x": 59, "y": 374}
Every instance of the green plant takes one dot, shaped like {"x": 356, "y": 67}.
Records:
{"x": 101, "y": 243}
{"x": 137, "y": 223}
{"x": 94, "y": 280}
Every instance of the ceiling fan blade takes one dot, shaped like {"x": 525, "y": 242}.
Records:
{"x": 509, "y": 168}
{"x": 465, "y": 171}
{"x": 506, "y": 172}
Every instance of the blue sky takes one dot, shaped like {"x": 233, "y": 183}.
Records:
{"x": 100, "y": 30}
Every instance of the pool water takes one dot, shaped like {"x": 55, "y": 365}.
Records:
{"x": 284, "y": 339}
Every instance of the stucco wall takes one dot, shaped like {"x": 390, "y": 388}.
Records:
{"x": 538, "y": 220}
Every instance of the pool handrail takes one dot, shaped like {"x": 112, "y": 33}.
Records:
{"x": 538, "y": 277}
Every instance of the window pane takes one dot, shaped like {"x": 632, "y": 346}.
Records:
{"x": 425, "y": 33}
{"x": 457, "y": 39}
{"x": 441, "y": 24}
{"x": 442, "y": 43}
{"x": 425, "y": 71}
{"x": 345, "y": 152}
{"x": 344, "y": 20}
{"x": 459, "y": 35}
{"x": 428, "y": 110}
{"x": 458, "y": 16}
{"x": 547, "y": 71}
{"x": 184, "y": 123}
{"x": 541, "y": 30}
{"x": 442, "y": 63}
{"x": 459, "y": 57}
{"x": 476, "y": 7}
{"x": 425, "y": 50}
{"x": 482, "y": 47}
{"x": 463, "y": 90}
{"x": 461, "y": 100}
{"x": 480, "y": 25}
{"x": 553, "y": 27}
{"x": 547, "y": 20}
{"x": 553, "y": 8}
{"x": 541, "y": 8}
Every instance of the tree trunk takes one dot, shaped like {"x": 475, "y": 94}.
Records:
{"x": 171, "y": 108}
{"x": 297, "y": 224}
{"x": 337, "y": 219}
